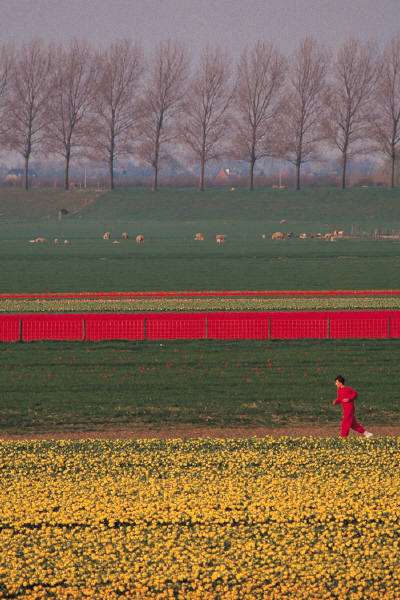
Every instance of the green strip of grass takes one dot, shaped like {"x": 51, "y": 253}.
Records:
{"x": 171, "y": 260}
{"x": 66, "y": 386}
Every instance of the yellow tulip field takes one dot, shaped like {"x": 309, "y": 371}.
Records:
{"x": 288, "y": 518}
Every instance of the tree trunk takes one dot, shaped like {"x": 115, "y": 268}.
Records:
{"x": 201, "y": 178}
{"x": 26, "y": 173}
{"x": 111, "y": 155}
{"x": 154, "y": 185}
{"x": 393, "y": 165}
{"x": 298, "y": 165}
{"x": 344, "y": 166}
{"x": 250, "y": 185}
{"x": 111, "y": 173}
{"x": 66, "y": 172}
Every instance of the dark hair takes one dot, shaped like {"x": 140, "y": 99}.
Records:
{"x": 339, "y": 378}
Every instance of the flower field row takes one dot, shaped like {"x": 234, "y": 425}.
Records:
{"x": 296, "y": 518}
{"x": 15, "y": 305}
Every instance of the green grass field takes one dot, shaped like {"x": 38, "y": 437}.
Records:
{"x": 48, "y": 386}
{"x": 92, "y": 264}
{"x": 170, "y": 259}
{"x": 66, "y": 386}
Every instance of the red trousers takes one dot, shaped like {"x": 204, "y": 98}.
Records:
{"x": 349, "y": 421}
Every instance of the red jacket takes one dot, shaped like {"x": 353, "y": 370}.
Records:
{"x": 345, "y": 392}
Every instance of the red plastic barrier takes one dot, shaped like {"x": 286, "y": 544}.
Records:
{"x": 162, "y": 326}
{"x": 10, "y": 328}
{"x": 362, "y": 324}
{"x": 394, "y": 324}
{"x": 52, "y": 327}
{"x": 238, "y": 326}
{"x": 226, "y": 325}
{"x": 114, "y": 327}
{"x": 293, "y": 325}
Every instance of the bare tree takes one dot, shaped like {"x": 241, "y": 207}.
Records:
{"x": 205, "y": 107}
{"x": 385, "y": 115}
{"x": 118, "y": 73}
{"x": 299, "y": 125}
{"x": 27, "y": 101}
{"x": 72, "y": 92}
{"x": 348, "y": 96}
{"x": 6, "y": 65}
{"x": 260, "y": 76}
{"x": 162, "y": 101}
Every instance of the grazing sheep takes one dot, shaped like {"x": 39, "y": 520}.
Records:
{"x": 56, "y": 240}
{"x": 264, "y": 236}
{"x": 107, "y": 235}
{"x": 199, "y": 237}
{"x": 278, "y": 235}
{"x": 303, "y": 236}
{"x": 125, "y": 236}
{"x": 282, "y": 221}
{"x": 40, "y": 240}
{"x": 220, "y": 238}
{"x": 139, "y": 239}
{"x": 66, "y": 242}
{"x": 115, "y": 242}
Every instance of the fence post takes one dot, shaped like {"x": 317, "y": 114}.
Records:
{"x": 83, "y": 329}
{"x": 329, "y": 328}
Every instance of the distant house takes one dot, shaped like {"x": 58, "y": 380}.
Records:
{"x": 223, "y": 175}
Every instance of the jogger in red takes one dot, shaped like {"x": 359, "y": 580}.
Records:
{"x": 346, "y": 396}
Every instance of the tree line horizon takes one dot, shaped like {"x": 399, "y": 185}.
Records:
{"x": 102, "y": 104}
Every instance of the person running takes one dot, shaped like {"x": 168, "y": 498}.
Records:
{"x": 346, "y": 397}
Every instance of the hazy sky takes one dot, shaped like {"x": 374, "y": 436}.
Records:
{"x": 231, "y": 23}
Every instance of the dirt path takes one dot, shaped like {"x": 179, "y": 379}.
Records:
{"x": 199, "y": 432}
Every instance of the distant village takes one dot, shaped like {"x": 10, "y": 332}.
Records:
{"x": 178, "y": 174}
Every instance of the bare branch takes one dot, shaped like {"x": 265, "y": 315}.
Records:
{"x": 27, "y": 101}
{"x": 118, "y": 74}
{"x": 162, "y": 102}
{"x": 384, "y": 119}
{"x": 347, "y": 99}
{"x": 71, "y": 97}
{"x": 260, "y": 76}
{"x": 205, "y": 108}
{"x": 301, "y": 110}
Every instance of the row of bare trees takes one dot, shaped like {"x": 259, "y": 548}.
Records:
{"x": 102, "y": 104}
